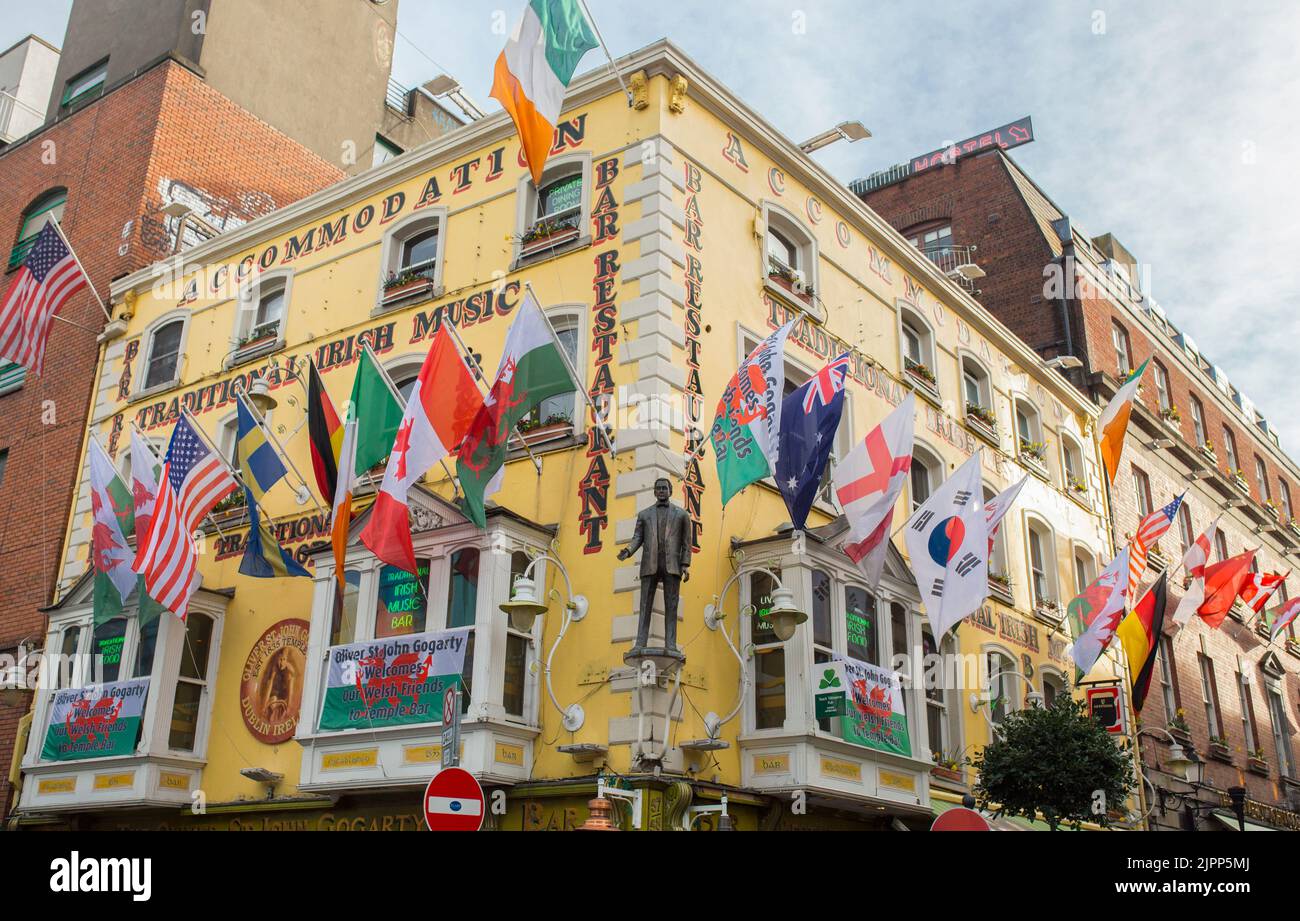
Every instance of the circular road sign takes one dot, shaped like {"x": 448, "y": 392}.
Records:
{"x": 453, "y": 801}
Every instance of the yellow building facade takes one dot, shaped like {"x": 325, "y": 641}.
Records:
{"x": 681, "y": 230}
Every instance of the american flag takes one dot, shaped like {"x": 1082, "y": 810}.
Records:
{"x": 1149, "y": 531}
{"x": 48, "y": 277}
{"x": 194, "y": 479}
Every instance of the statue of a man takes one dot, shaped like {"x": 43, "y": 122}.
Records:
{"x": 664, "y": 531}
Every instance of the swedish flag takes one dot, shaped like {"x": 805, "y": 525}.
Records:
{"x": 264, "y": 558}
{"x": 259, "y": 465}
{"x": 260, "y": 468}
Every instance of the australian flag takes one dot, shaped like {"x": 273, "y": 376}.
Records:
{"x": 809, "y": 419}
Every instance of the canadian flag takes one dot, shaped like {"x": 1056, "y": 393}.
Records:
{"x": 1259, "y": 588}
{"x": 438, "y": 415}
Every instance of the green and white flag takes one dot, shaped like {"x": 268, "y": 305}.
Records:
{"x": 95, "y": 721}
{"x": 376, "y": 411}
{"x": 748, "y": 419}
{"x": 531, "y": 370}
{"x": 875, "y": 715}
{"x": 393, "y": 681}
{"x": 113, "y": 519}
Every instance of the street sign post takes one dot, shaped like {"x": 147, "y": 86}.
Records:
{"x": 453, "y": 801}
{"x": 451, "y": 727}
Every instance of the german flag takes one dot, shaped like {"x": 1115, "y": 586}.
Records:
{"x": 325, "y": 433}
{"x": 1140, "y": 635}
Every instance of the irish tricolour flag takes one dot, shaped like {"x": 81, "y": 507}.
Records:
{"x": 535, "y": 68}
{"x": 1114, "y": 421}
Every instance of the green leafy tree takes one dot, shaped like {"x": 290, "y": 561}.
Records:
{"x": 1057, "y": 761}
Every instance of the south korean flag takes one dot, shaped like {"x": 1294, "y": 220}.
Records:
{"x": 947, "y": 542}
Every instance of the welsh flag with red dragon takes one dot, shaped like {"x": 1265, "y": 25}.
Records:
{"x": 531, "y": 370}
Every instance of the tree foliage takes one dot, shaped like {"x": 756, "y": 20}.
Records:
{"x": 1057, "y": 761}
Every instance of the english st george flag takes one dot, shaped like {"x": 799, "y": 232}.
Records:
{"x": 442, "y": 406}
{"x": 194, "y": 479}
{"x": 948, "y": 546}
{"x": 44, "y": 282}
{"x": 810, "y": 417}
{"x": 867, "y": 484}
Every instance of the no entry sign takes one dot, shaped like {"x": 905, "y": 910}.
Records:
{"x": 959, "y": 818}
{"x": 453, "y": 801}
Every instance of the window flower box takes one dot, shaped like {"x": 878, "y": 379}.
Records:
{"x": 982, "y": 420}
{"x": 1219, "y": 750}
{"x": 1294, "y": 525}
{"x": 556, "y": 426}
{"x": 1239, "y": 480}
{"x": 546, "y": 235}
{"x": 1078, "y": 488}
{"x": 1208, "y": 451}
{"x": 406, "y": 285}
{"x": 921, "y": 377}
{"x": 1171, "y": 415}
{"x": 1293, "y": 647}
{"x": 945, "y": 773}
{"x": 1178, "y": 727}
{"x": 1000, "y": 585}
{"x": 1031, "y": 456}
{"x": 261, "y": 340}
{"x": 1048, "y": 610}
{"x": 790, "y": 280}
{"x": 234, "y": 504}
{"x": 1156, "y": 560}
{"x": 1238, "y": 611}
{"x": 1257, "y": 763}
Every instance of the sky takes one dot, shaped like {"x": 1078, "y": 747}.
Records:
{"x": 1169, "y": 124}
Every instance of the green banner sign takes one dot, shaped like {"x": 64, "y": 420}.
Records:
{"x": 391, "y": 682}
{"x": 95, "y": 721}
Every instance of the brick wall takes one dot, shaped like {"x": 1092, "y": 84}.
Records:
{"x": 166, "y": 135}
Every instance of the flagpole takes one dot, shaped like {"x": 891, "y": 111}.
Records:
{"x": 480, "y": 379}
{"x": 194, "y": 423}
{"x": 612, "y": 66}
{"x": 261, "y": 421}
{"x": 89, "y": 284}
{"x": 89, "y": 329}
{"x": 600, "y": 420}
{"x": 442, "y": 461}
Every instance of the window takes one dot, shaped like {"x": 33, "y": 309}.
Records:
{"x": 789, "y": 255}
{"x": 164, "y": 355}
{"x": 1210, "y": 696}
{"x": 259, "y": 327}
{"x": 933, "y": 241}
{"x": 925, "y": 476}
{"x": 1230, "y": 450}
{"x": 413, "y": 257}
{"x": 343, "y": 621}
{"x": 1042, "y": 563}
{"x": 918, "y": 350}
{"x": 1248, "y": 729}
{"x": 938, "y": 708}
{"x": 1004, "y": 689}
{"x": 1220, "y": 544}
{"x": 998, "y": 557}
{"x": 1029, "y": 434}
{"x": 1053, "y": 687}
{"x": 563, "y": 407}
{"x": 385, "y": 150}
{"x": 1284, "y": 493}
{"x": 4, "y": 462}
{"x": 769, "y": 658}
{"x": 1186, "y": 533}
{"x": 977, "y": 393}
{"x": 823, "y": 627}
{"x": 1261, "y": 476}
{"x": 1142, "y": 491}
{"x": 1198, "y": 422}
{"x": 1123, "y": 353}
{"x": 1076, "y": 481}
{"x": 85, "y": 86}
{"x": 554, "y": 212}
{"x": 860, "y": 620}
{"x": 191, "y": 683}
{"x": 1281, "y": 733}
{"x": 1168, "y": 677}
{"x": 48, "y": 207}
{"x": 1085, "y": 569}
{"x": 1163, "y": 398}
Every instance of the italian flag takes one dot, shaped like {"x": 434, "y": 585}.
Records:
{"x": 531, "y": 370}
{"x": 443, "y": 405}
{"x": 1114, "y": 421}
{"x": 535, "y": 69}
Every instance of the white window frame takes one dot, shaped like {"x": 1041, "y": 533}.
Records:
{"x": 927, "y": 344}
{"x": 248, "y": 304}
{"x": 139, "y": 391}
{"x": 773, "y": 217}
{"x": 928, "y": 459}
{"x": 527, "y": 205}
{"x": 1016, "y": 698}
{"x": 976, "y": 370}
{"x": 1070, "y": 448}
{"x": 395, "y": 238}
{"x": 1037, "y": 526}
{"x": 1057, "y": 676}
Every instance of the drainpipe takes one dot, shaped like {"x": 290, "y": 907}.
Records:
{"x": 1067, "y": 275}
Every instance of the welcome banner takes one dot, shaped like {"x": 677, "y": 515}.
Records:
{"x": 95, "y": 721}
{"x": 874, "y": 713}
{"x": 391, "y": 682}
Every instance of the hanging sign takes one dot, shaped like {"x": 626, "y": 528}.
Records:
{"x": 875, "y": 708}
{"x": 95, "y": 721}
{"x": 393, "y": 681}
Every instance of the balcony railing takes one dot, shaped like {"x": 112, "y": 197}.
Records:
{"x": 957, "y": 262}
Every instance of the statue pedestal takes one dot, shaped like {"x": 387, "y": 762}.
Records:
{"x": 655, "y": 703}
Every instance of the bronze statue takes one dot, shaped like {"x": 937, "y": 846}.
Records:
{"x": 664, "y": 531}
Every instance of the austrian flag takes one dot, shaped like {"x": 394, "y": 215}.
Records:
{"x": 438, "y": 415}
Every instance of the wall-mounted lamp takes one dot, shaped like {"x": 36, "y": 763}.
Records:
{"x": 849, "y": 131}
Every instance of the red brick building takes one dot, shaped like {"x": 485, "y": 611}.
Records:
{"x": 116, "y": 171}
{"x": 1225, "y": 692}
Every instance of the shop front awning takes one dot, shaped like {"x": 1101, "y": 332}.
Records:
{"x": 1229, "y": 821}
{"x": 1002, "y": 823}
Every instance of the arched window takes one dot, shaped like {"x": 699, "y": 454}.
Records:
{"x": 164, "y": 350}
{"x": 553, "y": 214}
{"x": 790, "y": 255}
{"x": 1042, "y": 562}
{"x": 998, "y": 557}
{"x": 934, "y": 240}
{"x": 1164, "y": 396}
{"x": 1029, "y": 434}
{"x": 925, "y": 477}
{"x": 1053, "y": 686}
{"x": 1076, "y": 480}
{"x": 563, "y": 408}
{"x": 977, "y": 392}
{"x": 413, "y": 257}
{"x": 918, "y": 355}
{"x": 259, "y": 327}
{"x": 1085, "y": 569}
{"x": 48, "y": 207}
{"x": 941, "y": 707}
{"x": 1003, "y": 685}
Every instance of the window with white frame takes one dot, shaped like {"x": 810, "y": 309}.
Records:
{"x": 1003, "y": 685}
{"x": 1247, "y": 711}
{"x": 1085, "y": 569}
{"x": 413, "y": 252}
{"x": 1220, "y": 544}
{"x": 942, "y": 704}
{"x": 1230, "y": 450}
{"x": 934, "y": 241}
{"x": 1282, "y": 731}
{"x": 1042, "y": 562}
{"x": 554, "y": 212}
{"x": 1123, "y": 351}
{"x": 1029, "y": 432}
{"x": 163, "y": 353}
{"x": 1261, "y": 475}
{"x": 1076, "y": 480}
{"x": 1210, "y": 696}
{"x": 262, "y": 304}
{"x": 977, "y": 391}
{"x": 1168, "y": 685}
{"x": 563, "y": 408}
{"x": 1053, "y": 687}
{"x": 1198, "y": 422}
{"x": 769, "y": 708}
{"x": 1164, "y": 398}
{"x": 789, "y": 254}
{"x": 918, "y": 352}
{"x": 1284, "y": 494}
{"x": 1186, "y": 532}
{"x": 1142, "y": 491}
{"x": 925, "y": 476}
{"x": 998, "y": 556}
